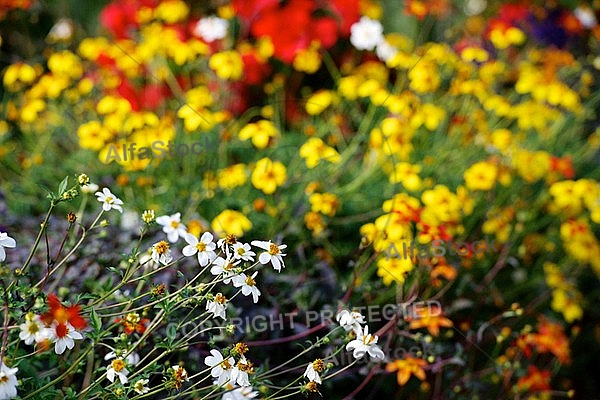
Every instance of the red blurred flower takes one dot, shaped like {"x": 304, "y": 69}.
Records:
{"x": 563, "y": 165}
{"x": 62, "y": 314}
{"x": 120, "y": 16}
{"x": 7, "y": 5}
{"x": 535, "y": 380}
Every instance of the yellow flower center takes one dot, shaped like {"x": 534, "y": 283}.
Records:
{"x": 228, "y": 267}
{"x": 162, "y": 247}
{"x": 230, "y": 239}
{"x": 241, "y": 348}
{"x": 219, "y": 298}
{"x": 133, "y": 318}
{"x": 118, "y": 365}
{"x": 241, "y": 251}
{"x": 273, "y": 249}
{"x": 318, "y": 365}
{"x": 201, "y": 246}
{"x": 3, "y": 378}
{"x": 225, "y": 364}
{"x": 250, "y": 281}
{"x": 174, "y": 224}
{"x": 33, "y": 329}
{"x": 109, "y": 200}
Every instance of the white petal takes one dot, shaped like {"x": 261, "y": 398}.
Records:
{"x": 189, "y": 250}
{"x": 264, "y": 258}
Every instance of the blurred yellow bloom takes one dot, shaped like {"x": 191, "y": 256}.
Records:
{"x": 17, "y": 75}
{"x": 407, "y": 367}
{"x": 308, "y": 60}
{"x": 481, "y": 176}
{"x": 428, "y": 115}
{"x": 65, "y": 63}
{"x": 315, "y": 150}
{"x": 261, "y": 133}
{"x": 502, "y": 39}
{"x": 268, "y": 175}
{"x": 171, "y": 11}
{"x": 348, "y": 86}
{"x": 408, "y": 175}
{"x": 394, "y": 269}
{"x": 231, "y": 222}
{"x": 314, "y": 222}
{"x": 31, "y": 109}
{"x": 93, "y": 136}
{"x": 232, "y": 176}
{"x": 319, "y": 101}
{"x": 424, "y": 77}
{"x": 474, "y": 54}
{"x": 111, "y": 104}
{"x": 227, "y": 65}
{"x": 325, "y": 203}
{"x": 441, "y": 206}
{"x": 531, "y": 165}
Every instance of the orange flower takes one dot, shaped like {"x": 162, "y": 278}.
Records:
{"x": 549, "y": 339}
{"x": 62, "y": 314}
{"x": 430, "y": 317}
{"x": 535, "y": 380}
{"x": 407, "y": 367}
{"x": 133, "y": 323}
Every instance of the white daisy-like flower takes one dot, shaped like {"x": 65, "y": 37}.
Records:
{"x": 240, "y": 393}
{"x": 248, "y": 285}
{"x": 225, "y": 267}
{"x": 217, "y": 306}
{"x": 109, "y": 201}
{"x": 172, "y": 226}
{"x": 161, "y": 253}
{"x": 220, "y": 367}
{"x": 6, "y": 242}
{"x": 272, "y": 255}
{"x": 365, "y": 343}
{"x": 239, "y": 373}
{"x": 8, "y": 382}
{"x": 132, "y": 358}
{"x": 211, "y": 28}
{"x": 64, "y": 336}
{"x": 118, "y": 369}
{"x": 141, "y": 386}
{"x": 242, "y": 251}
{"x": 33, "y": 329}
{"x": 313, "y": 369}
{"x": 385, "y": 51}
{"x": 350, "y": 320}
{"x": 205, "y": 248}
{"x": 366, "y": 34}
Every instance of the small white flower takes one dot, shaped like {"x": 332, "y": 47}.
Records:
{"x": 248, "y": 285}
{"x": 64, "y": 336}
{"x": 366, "y": 33}
{"x": 141, "y": 386}
{"x": 220, "y": 367}
{"x": 172, "y": 226}
{"x": 586, "y": 17}
{"x": 161, "y": 253}
{"x": 385, "y": 51}
{"x": 62, "y": 30}
{"x": 8, "y": 382}
{"x": 242, "y": 251}
{"x": 211, "y": 28}
{"x": 89, "y": 188}
{"x": 272, "y": 255}
{"x": 350, "y": 320}
{"x": 240, "y": 393}
{"x": 365, "y": 343}
{"x": 117, "y": 369}
{"x": 239, "y": 374}
{"x": 205, "y": 248}
{"x": 225, "y": 267}
{"x": 313, "y": 369}
{"x": 217, "y": 306}
{"x": 6, "y": 242}
{"x": 132, "y": 359}
{"x": 109, "y": 201}
{"x": 33, "y": 330}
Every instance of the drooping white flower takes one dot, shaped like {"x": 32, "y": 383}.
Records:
{"x": 109, "y": 201}
{"x": 64, "y": 336}
{"x": 6, "y": 242}
{"x": 313, "y": 369}
{"x": 141, "y": 386}
{"x": 239, "y": 373}
{"x": 8, "y": 382}
{"x": 240, "y": 393}
{"x": 33, "y": 329}
{"x": 272, "y": 255}
{"x": 172, "y": 226}
{"x": 211, "y": 28}
{"x": 225, "y": 267}
{"x": 365, "y": 343}
{"x": 205, "y": 248}
{"x": 161, "y": 253}
{"x": 220, "y": 367}
{"x": 217, "y": 306}
{"x": 242, "y": 251}
{"x": 350, "y": 320}
{"x": 132, "y": 358}
{"x": 118, "y": 369}
{"x": 366, "y": 33}
{"x": 248, "y": 285}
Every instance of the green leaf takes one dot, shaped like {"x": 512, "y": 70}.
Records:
{"x": 63, "y": 186}
{"x": 95, "y": 321}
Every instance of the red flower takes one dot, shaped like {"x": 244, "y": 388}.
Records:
{"x": 535, "y": 380}
{"x": 120, "y": 16}
{"x": 133, "y": 323}
{"x": 62, "y": 314}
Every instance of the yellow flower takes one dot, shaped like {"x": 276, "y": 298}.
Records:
{"x": 308, "y": 60}
{"x": 319, "y": 101}
{"x": 532, "y": 165}
{"x": 408, "y": 175}
{"x": 428, "y": 115}
{"x": 171, "y": 11}
{"x": 65, "y": 63}
{"x": 481, "y": 176}
{"x": 424, "y": 77}
{"x": 18, "y": 75}
{"x": 262, "y": 133}
{"x": 407, "y": 367}
{"x": 267, "y": 175}
{"x": 93, "y": 136}
{"x": 30, "y": 110}
{"x": 314, "y": 222}
{"x": 394, "y": 269}
{"x": 474, "y": 54}
{"x": 232, "y": 176}
{"x": 315, "y": 150}
{"x": 325, "y": 203}
{"x": 231, "y": 222}
{"x": 227, "y": 65}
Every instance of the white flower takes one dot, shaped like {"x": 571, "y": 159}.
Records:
{"x": 350, "y": 320}
{"x": 217, "y": 306}
{"x": 273, "y": 253}
{"x": 161, "y": 253}
{"x": 586, "y": 17}
{"x": 6, "y": 241}
{"x": 132, "y": 359}
{"x": 366, "y": 33}
{"x": 240, "y": 394}
{"x": 220, "y": 367}
{"x": 8, "y": 382}
{"x": 365, "y": 343}
{"x": 239, "y": 373}
{"x": 385, "y": 51}
{"x": 117, "y": 369}
{"x": 211, "y": 28}
{"x": 89, "y": 188}
{"x": 64, "y": 336}
{"x": 242, "y": 251}
{"x": 205, "y": 248}
{"x": 62, "y": 30}
{"x": 172, "y": 226}
{"x": 109, "y": 200}
{"x": 147, "y": 261}
{"x": 32, "y": 330}
{"x": 248, "y": 285}
{"x": 141, "y": 386}
{"x": 313, "y": 369}
{"x": 225, "y": 267}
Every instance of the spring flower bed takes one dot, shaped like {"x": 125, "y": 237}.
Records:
{"x": 260, "y": 199}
